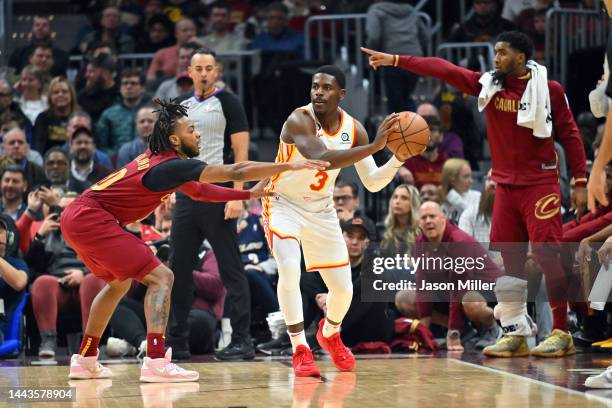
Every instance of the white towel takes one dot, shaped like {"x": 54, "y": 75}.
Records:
{"x": 534, "y": 109}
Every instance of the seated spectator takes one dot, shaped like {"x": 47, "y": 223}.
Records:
{"x": 96, "y": 48}
{"x": 40, "y": 34}
{"x": 165, "y": 61}
{"x": 15, "y": 146}
{"x": 476, "y": 219}
{"x": 100, "y": 90}
{"x": 456, "y": 192}
{"x": 346, "y": 200}
{"x": 401, "y": 222}
{"x": 58, "y": 274}
{"x": 451, "y": 143}
{"x": 158, "y": 34}
{"x": 50, "y": 126}
{"x": 42, "y": 59}
{"x": 117, "y": 125}
{"x": 484, "y": 25}
{"x": 221, "y": 38}
{"x": 10, "y": 107}
{"x": 14, "y": 273}
{"x": 13, "y": 186}
{"x": 57, "y": 168}
{"x": 426, "y": 168}
{"x": 430, "y": 192}
{"x": 181, "y": 85}
{"x": 513, "y": 9}
{"x": 255, "y": 24}
{"x": 110, "y": 30}
{"x": 279, "y": 36}
{"x": 145, "y": 121}
{"x": 525, "y": 19}
{"x": 32, "y": 99}
{"x": 84, "y": 171}
{"x": 81, "y": 119}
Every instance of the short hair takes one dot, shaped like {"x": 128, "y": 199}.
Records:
{"x": 203, "y": 51}
{"x": 190, "y": 45}
{"x": 219, "y": 4}
{"x": 518, "y": 41}
{"x": 82, "y": 131}
{"x": 278, "y": 6}
{"x": 133, "y": 72}
{"x": 341, "y": 183}
{"x": 44, "y": 46}
{"x": 169, "y": 113}
{"x": 14, "y": 168}
{"x": 333, "y": 71}
{"x": 79, "y": 114}
{"x": 10, "y": 116}
{"x": 433, "y": 121}
{"x": 56, "y": 149}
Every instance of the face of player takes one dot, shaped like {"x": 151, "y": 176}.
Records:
{"x": 186, "y": 138}
{"x": 400, "y": 202}
{"x": 432, "y": 221}
{"x": 15, "y": 145}
{"x": 356, "y": 241}
{"x": 325, "y": 93}
{"x": 507, "y": 59}
{"x": 429, "y": 192}
{"x": 165, "y": 227}
{"x": 203, "y": 72}
{"x": 145, "y": 122}
{"x": 463, "y": 182}
{"x": 12, "y": 186}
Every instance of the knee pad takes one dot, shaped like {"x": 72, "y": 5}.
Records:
{"x": 511, "y": 289}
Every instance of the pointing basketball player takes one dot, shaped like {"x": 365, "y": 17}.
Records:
{"x": 92, "y": 225}
{"x": 524, "y": 111}
{"x": 303, "y": 214}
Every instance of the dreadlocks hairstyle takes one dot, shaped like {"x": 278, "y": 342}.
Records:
{"x": 169, "y": 113}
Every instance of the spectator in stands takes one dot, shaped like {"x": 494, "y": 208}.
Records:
{"x": 538, "y": 35}
{"x": 346, "y": 199}
{"x": 456, "y": 192}
{"x": 40, "y": 34}
{"x": 50, "y": 125}
{"x": 58, "y": 274}
{"x": 32, "y": 99}
{"x": 426, "y": 168}
{"x": 13, "y": 186}
{"x": 158, "y": 34}
{"x": 525, "y": 19}
{"x": 182, "y": 84}
{"x": 9, "y": 106}
{"x": 279, "y": 36}
{"x": 9, "y": 121}
{"x": 396, "y": 27}
{"x": 221, "y": 38}
{"x": 255, "y": 24}
{"x": 96, "y": 48}
{"x": 430, "y": 192}
{"x": 402, "y": 221}
{"x": 84, "y": 171}
{"x": 110, "y": 30}
{"x": 451, "y": 143}
{"x": 14, "y": 273}
{"x": 57, "y": 167}
{"x": 100, "y": 90}
{"x": 81, "y": 119}
{"x": 484, "y": 25}
{"x": 145, "y": 120}
{"x": 117, "y": 125}
{"x": 165, "y": 61}
{"x": 15, "y": 146}
{"x": 513, "y": 9}
{"x": 42, "y": 58}
{"x": 476, "y": 219}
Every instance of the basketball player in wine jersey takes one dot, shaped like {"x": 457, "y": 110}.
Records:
{"x": 303, "y": 214}
{"x": 92, "y": 225}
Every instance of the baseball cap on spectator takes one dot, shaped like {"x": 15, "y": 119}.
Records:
{"x": 104, "y": 61}
{"x": 359, "y": 222}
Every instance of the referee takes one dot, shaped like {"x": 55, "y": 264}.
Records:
{"x": 222, "y": 122}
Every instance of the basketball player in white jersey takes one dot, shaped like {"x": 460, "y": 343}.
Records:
{"x": 302, "y": 213}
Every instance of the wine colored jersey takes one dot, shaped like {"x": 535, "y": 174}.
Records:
{"x": 518, "y": 157}
{"x": 130, "y": 197}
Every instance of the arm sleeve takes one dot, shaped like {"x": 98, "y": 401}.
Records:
{"x": 210, "y": 192}
{"x": 566, "y": 132}
{"x": 234, "y": 113}
{"x": 376, "y": 178}
{"x": 455, "y": 76}
{"x": 172, "y": 173}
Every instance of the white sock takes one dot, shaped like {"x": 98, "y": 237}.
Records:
{"x": 330, "y": 329}
{"x": 297, "y": 339}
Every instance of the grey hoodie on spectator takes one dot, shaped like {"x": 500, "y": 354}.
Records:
{"x": 395, "y": 28}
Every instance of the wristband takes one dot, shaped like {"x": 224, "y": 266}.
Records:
{"x": 580, "y": 182}
{"x": 395, "y": 60}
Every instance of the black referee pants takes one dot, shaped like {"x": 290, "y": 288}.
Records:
{"x": 193, "y": 222}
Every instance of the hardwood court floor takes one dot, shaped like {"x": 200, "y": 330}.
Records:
{"x": 378, "y": 381}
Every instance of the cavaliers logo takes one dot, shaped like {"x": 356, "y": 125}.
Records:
{"x": 547, "y": 206}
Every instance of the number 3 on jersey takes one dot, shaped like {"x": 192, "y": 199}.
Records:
{"x": 321, "y": 177}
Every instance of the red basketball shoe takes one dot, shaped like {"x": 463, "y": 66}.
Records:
{"x": 342, "y": 357}
{"x": 303, "y": 363}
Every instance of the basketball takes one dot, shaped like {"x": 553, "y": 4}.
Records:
{"x": 411, "y": 138}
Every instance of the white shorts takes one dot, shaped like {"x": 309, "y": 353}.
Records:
{"x": 318, "y": 233}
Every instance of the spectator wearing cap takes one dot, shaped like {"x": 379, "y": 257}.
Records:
{"x": 364, "y": 321}
{"x": 40, "y": 34}
{"x": 13, "y": 185}
{"x": 182, "y": 84}
{"x": 221, "y": 38}
{"x": 165, "y": 61}
{"x": 84, "y": 171}
{"x": 117, "y": 125}
{"x": 145, "y": 121}
{"x": 158, "y": 35}
{"x": 50, "y": 125}
{"x": 100, "y": 90}
{"x": 81, "y": 119}
{"x": 15, "y": 146}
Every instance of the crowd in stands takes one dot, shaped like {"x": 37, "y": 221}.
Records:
{"x": 60, "y": 136}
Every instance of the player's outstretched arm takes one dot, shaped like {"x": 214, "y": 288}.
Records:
{"x": 458, "y": 77}
{"x": 250, "y": 170}
{"x": 300, "y": 130}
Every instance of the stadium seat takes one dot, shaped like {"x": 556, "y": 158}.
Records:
{"x": 13, "y": 331}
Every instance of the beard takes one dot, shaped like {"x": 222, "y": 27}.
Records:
{"x": 499, "y": 77}
{"x": 190, "y": 152}
{"x": 83, "y": 158}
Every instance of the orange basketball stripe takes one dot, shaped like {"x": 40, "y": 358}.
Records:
{"x": 337, "y": 131}
{"x": 317, "y": 267}
{"x": 354, "y": 133}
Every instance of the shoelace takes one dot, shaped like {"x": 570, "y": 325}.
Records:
{"x": 305, "y": 357}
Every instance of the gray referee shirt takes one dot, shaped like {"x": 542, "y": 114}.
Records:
{"x": 217, "y": 117}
